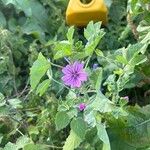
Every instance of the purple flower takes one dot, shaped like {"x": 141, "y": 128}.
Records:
{"x": 74, "y": 75}
{"x": 126, "y": 98}
{"x": 82, "y": 106}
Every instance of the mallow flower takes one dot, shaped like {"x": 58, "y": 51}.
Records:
{"x": 74, "y": 75}
{"x": 82, "y": 106}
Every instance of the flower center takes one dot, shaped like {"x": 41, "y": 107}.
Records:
{"x": 75, "y": 75}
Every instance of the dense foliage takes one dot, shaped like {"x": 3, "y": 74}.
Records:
{"x": 110, "y": 110}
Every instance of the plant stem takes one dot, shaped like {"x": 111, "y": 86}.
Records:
{"x": 62, "y": 85}
{"x": 88, "y": 60}
{"x": 56, "y": 65}
{"x": 19, "y": 132}
{"x": 54, "y": 147}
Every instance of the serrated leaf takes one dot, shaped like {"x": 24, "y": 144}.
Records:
{"x": 62, "y": 120}
{"x": 93, "y": 34}
{"x": 92, "y": 30}
{"x": 62, "y": 49}
{"x": 37, "y": 71}
{"x": 70, "y": 34}
{"x": 78, "y": 126}
{"x": 72, "y": 142}
{"x": 42, "y": 87}
{"x": 96, "y": 78}
{"x": 101, "y": 104}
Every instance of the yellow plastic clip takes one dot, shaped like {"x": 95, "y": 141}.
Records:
{"x": 80, "y": 14}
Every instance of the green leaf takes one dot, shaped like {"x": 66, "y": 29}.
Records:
{"x": 1, "y": 138}
{"x": 1, "y": 97}
{"x": 37, "y": 17}
{"x": 133, "y": 129}
{"x": 73, "y": 112}
{"x": 72, "y": 142}
{"x": 4, "y": 111}
{"x": 89, "y": 117}
{"x": 32, "y": 146}
{"x": 62, "y": 49}
{"x": 78, "y": 126}
{"x": 15, "y": 103}
{"x": 31, "y": 27}
{"x": 102, "y": 134}
{"x": 99, "y": 52}
{"x": 33, "y": 130}
{"x": 22, "y": 141}
{"x": 2, "y": 20}
{"x": 37, "y": 71}
{"x": 137, "y": 60}
{"x": 70, "y": 34}
{"x": 22, "y": 5}
{"x": 118, "y": 144}
{"x": 2, "y": 102}
{"x": 33, "y": 9}
{"x": 78, "y": 55}
{"x": 93, "y": 34}
{"x": 42, "y": 87}
{"x": 119, "y": 112}
{"x": 62, "y": 120}
{"x": 39, "y": 14}
{"x": 10, "y": 146}
{"x": 101, "y": 104}
{"x": 144, "y": 34}
{"x": 96, "y": 78}
{"x": 117, "y": 12}
{"x": 121, "y": 59}
{"x": 132, "y": 51}
{"x": 92, "y": 30}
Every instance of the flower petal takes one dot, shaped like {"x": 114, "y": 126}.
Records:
{"x": 74, "y": 74}
{"x": 77, "y": 66}
{"x": 67, "y": 69}
{"x": 76, "y": 83}
{"x": 66, "y": 77}
{"x": 83, "y": 76}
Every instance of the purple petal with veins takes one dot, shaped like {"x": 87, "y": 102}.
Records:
{"x": 74, "y": 75}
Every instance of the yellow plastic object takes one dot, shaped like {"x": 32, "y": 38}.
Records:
{"x": 80, "y": 14}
